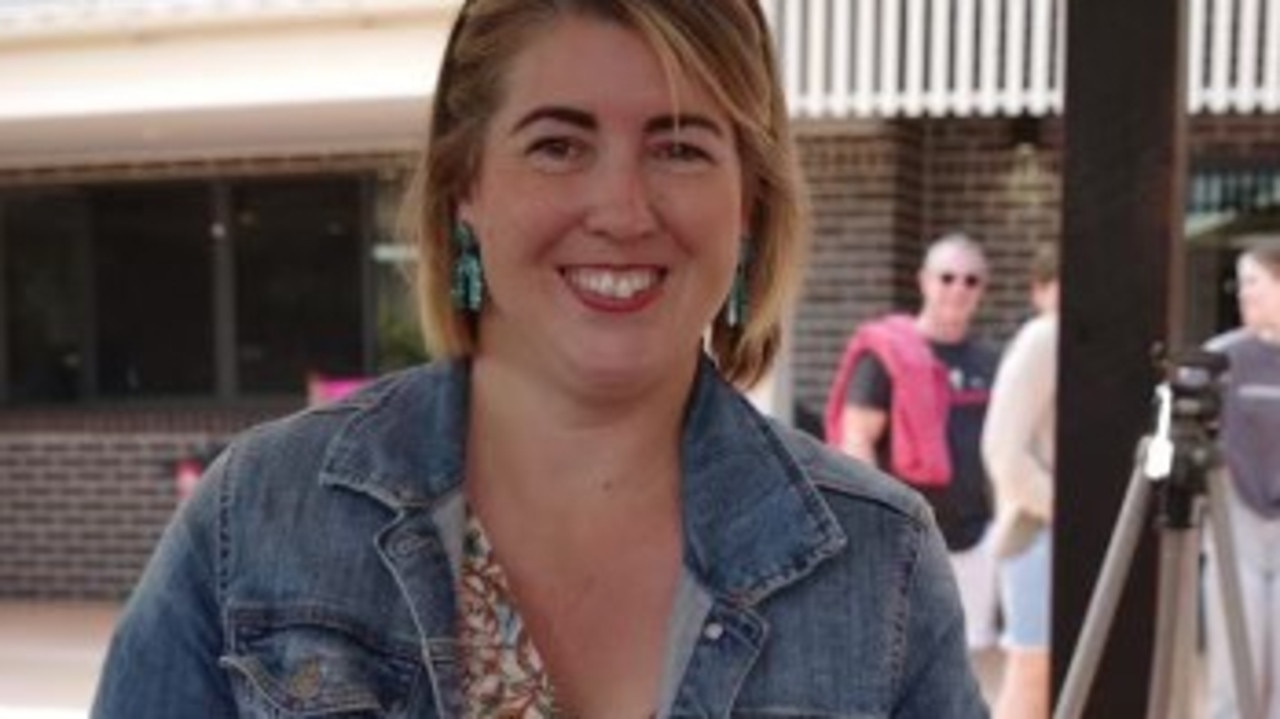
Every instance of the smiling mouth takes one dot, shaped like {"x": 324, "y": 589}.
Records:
{"x": 614, "y": 288}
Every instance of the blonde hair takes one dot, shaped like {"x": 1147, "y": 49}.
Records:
{"x": 724, "y": 46}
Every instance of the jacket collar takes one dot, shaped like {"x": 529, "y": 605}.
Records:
{"x": 753, "y": 520}
{"x": 405, "y": 441}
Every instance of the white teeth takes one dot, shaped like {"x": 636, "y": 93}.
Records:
{"x": 615, "y": 284}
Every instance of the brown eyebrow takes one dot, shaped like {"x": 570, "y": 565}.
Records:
{"x": 587, "y": 121}
{"x": 569, "y": 115}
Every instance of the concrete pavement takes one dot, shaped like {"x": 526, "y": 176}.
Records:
{"x": 50, "y": 655}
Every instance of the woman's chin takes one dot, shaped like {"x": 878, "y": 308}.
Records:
{"x": 619, "y": 371}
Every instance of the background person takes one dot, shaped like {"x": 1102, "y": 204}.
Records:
{"x": 910, "y": 395}
{"x": 575, "y": 513}
{"x": 1249, "y": 434}
{"x": 1018, "y": 446}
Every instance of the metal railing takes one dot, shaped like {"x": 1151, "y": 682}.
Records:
{"x": 849, "y": 58}
{"x": 1234, "y": 55}
{"x": 895, "y": 58}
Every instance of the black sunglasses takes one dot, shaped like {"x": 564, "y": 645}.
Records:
{"x": 970, "y": 281}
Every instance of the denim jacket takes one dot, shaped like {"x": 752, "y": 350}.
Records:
{"x": 312, "y": 574}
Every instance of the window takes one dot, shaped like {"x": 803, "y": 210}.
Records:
{"x": 399, "y": 341}
{"x": 298, "y": 283}
{"x": 152, "y": 290}
{"x": 197, "y": 289}
{"x": 45, "y": 295}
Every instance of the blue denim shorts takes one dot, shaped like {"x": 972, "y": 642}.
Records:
{"x": 1024, "y": 594}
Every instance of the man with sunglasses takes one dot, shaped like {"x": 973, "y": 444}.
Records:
{"x": 910, "y": 396}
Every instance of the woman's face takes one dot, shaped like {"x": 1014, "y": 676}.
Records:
{"x": 608, "y": 208}
{"x": 1259, "y": 295}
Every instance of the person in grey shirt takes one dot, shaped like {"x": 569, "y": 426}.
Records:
{"x": 1250, "y": 427}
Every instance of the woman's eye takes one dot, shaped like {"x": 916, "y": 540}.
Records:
{"x": 683, "y": 152}
{"x": 555, "y": 148}
{"x": 558, "y": 153}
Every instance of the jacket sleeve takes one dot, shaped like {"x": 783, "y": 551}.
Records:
{"x": 162, "y": 661}
{"x": 935, "y": 677}
{"x": 1022, "y": 402}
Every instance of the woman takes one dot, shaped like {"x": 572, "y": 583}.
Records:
{"x": 1250, "y": 426}
{"x": 1018, "y": 447}
{"x": 574, "y": 513}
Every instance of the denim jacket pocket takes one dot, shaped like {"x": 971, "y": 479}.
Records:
{"x": 311, "y": 661}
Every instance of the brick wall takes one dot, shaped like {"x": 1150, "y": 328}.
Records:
{"x": 84, "y": 497}
{"x": 864, "y": 184}
{"x": 1245, "y": 140}
{"x": 1006, "y": 199}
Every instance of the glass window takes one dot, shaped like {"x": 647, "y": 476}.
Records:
{"x": 45, "y": 282}
{"x": 153, "y": 289}
{"x": 399, "y": 340}
{"x": 298, "y": 279}
{"x": 180, "y": 289}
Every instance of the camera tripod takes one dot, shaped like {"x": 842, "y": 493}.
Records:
{"x": 1179, "y": 466}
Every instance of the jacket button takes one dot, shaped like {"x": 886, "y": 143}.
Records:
{"x": 713, "y": 631}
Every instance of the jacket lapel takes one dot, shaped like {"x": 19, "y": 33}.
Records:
{"x": 754, "y": 524}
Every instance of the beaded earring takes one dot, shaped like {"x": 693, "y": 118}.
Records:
{"x": 468, "y": 273}
{"x": 735, "y": 308}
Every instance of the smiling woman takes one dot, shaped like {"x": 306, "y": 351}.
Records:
{"x": 689, "y": 52}
{"x": 609, "y": 226}
{"x": 575, "y": 512}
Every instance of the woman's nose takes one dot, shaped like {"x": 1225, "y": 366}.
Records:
{"x": 621, "y": 200}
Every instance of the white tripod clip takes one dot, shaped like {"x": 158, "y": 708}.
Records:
{"x": 1159, "y": 459}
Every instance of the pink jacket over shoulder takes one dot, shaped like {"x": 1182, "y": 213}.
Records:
{"x": 921, "y": 399}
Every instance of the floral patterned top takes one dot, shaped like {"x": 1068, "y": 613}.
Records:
{"x": 503, "y": 676}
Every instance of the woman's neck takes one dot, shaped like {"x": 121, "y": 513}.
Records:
{"x": 549, "y": 451}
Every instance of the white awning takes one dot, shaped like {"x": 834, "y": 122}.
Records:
{"x": 283, "y": 84}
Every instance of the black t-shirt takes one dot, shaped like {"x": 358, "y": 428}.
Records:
{"x": 964, "y": 506}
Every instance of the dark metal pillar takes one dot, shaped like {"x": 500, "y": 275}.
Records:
{"x": 1124, "y": 168}
{"x": 5, "y": 321}
{"x": 222, "y": 231}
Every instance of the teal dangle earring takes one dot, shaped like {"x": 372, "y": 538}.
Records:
{"x": 468, "y": 273}
{"x": 735, "y": 308}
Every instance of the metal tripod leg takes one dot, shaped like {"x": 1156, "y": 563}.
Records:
{"x": 1106, "y": 594}
{"x": 1173, "y": 655}
{"x": 1247, "y": 698}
